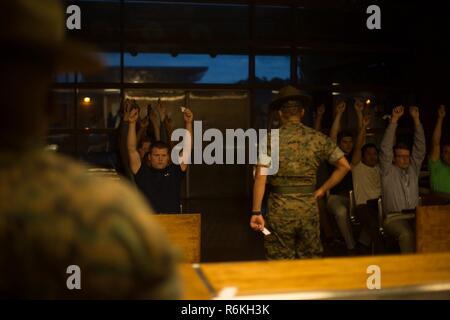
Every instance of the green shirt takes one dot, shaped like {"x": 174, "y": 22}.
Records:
{"x": 440, "y": 176}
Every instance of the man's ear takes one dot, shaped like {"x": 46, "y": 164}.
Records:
{"x": 280, "y": 114}
{"x": 302, "y": 113}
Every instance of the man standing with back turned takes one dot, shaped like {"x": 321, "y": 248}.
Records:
{"x": 293, "y": 217}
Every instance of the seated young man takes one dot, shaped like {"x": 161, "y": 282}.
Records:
{"x": 400, "y": 169}
{"x": 338, "y": 201}
{"x": 439, "y": 162}
{"x": 158, "y": 178}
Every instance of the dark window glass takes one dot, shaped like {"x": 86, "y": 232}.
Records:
{"x": 147, "y": 22}
{"x": 63, "y": 111}
{"x": 273, "y": 23}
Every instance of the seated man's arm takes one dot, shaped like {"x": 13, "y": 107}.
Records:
{"x": 436, "y": 140}
{"x": 387, "y": 144}
{"x": 187, "y": 149}
{"x": 342, "y": 168}
{"x": 419, "y": 148}
{"x": 133, "y": 154}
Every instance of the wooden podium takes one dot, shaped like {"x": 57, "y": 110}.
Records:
{"x": 184, "y": 231}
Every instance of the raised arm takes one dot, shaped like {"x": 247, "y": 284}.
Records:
{"x": 419, "y": 148}
{"x": 319, "y": 116}
{"x": 362, "y": 124}
{"x": 387, "y": 144}
{"x": 436, "y": 140}
{"x": 133, "y": 154}
{"x": 336, "y": 126}
{"x": 360, "y": 139}
{"x": 186, "y": 155}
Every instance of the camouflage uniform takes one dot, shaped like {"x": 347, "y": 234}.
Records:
{"x": 293, "y": 216}
{"x": 53, "y": 214}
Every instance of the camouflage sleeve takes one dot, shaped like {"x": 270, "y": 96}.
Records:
{"x": 330, "y": 151}
{"x": 130, "y": 257}
{"x": 264, "y": 153}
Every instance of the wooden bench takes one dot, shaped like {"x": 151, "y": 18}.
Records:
{"x": 433, "y": 229}
{"x": 184, "y": 231}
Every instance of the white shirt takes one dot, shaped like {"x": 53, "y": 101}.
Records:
{"x": 366, "y": 183}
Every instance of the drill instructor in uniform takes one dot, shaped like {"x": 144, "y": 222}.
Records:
{"x": 293, "y": 216}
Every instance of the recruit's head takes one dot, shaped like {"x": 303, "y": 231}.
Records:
{"x": 402, "y": 155}
{"x": 159, "y": 156}
{"x": 369, "y": 154}
{"x": 345, "y": 141}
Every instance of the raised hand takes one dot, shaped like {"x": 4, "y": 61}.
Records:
{"x": 359, "y": 105}
{"x": 397, "y": 113}
{"x": 134, "y": 115}
{"x": 340, "y": 108}
{"x": 366, "y": 121}
{"x": 414, "y": 112}
{"x": 320, "y": 110}
{"x": 188, "y": 116}
{"x": 126, "y": 109}
{"x": 441, "y": 111}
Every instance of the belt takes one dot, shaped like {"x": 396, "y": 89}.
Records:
{"x": 292, "y": 189}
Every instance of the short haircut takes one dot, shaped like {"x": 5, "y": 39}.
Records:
{"x": 402, "y": 146}
{"x": 159, "y": 145}
{"x": 368, "y": 146}
{"x": 344, "y": 134}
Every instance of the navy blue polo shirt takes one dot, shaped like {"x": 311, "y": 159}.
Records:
{"x": 161, "y": 187}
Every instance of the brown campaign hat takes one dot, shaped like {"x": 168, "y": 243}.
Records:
{"x": 290, "y": 93}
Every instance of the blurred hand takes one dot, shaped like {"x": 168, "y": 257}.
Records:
{"x": 188, "y": 116}
{"x": 154, "y": 119}
{"x": 397, "y": 113}
{"x": 145, "y": 121}
{"x": 359, "y": 105}
{"x": 134, "y": 115}
{"x": 126, "y": 109}
{"x": 441, "y": 111}
{"x": 257, "y": 222}
{"x": 414, "y": 112}
{"x": 340, "y": 108}
{"x": 366, "y": 121}
{"x": 162, "y": 110}
{"x": 319, "y": 193}
{"x": 320, "y": 110}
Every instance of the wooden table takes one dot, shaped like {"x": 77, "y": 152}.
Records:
{"x": 193, "y": 286}
{"x": 331, "y": 274}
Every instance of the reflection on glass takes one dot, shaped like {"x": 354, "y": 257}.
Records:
{"x": 185, "y": 68}
{"x": 357, "y": 68}
{"x": 274, "y": 69}
{"x": 65, "y": 78}
{"x": 62, "y": 143}
{"x": 99, "y": 150}
{"x": 98, "y": 109}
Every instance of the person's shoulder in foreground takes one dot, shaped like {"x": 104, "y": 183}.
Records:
{"x": 54, "y": 215}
